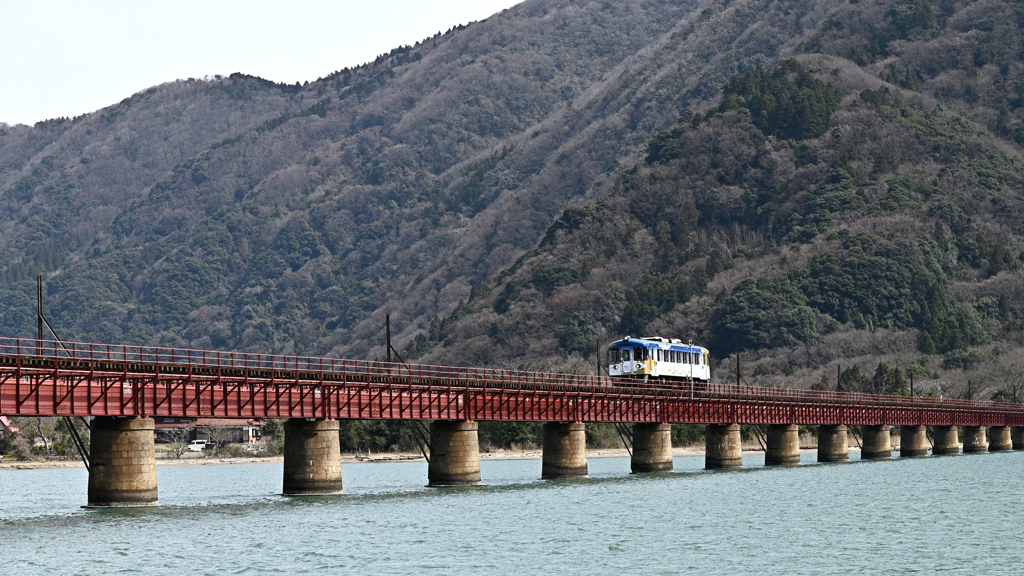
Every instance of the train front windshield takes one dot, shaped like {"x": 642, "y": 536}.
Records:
{"x": 626, "y": 353}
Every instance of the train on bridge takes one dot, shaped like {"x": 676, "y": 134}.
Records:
{"x": 658, "y": 360}
{"x": 122, "y": 388}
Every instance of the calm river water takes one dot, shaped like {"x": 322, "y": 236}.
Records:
{"x": 944, "y": 515}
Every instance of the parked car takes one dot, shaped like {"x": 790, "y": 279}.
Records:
{"x": 197, "y": 445}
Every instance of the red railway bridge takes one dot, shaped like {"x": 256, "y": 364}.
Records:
{"x": 124, "y": 387}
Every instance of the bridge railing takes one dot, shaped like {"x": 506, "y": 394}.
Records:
{"x": 155, "y": 355}
{"x": 301, "y": 368}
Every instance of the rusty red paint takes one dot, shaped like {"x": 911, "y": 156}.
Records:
{"x": 42, "y": 378}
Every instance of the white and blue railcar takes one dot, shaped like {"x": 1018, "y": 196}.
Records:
{"x": 659, "y": 359}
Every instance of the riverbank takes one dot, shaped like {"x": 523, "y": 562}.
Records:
{"x": 535, "y": 454}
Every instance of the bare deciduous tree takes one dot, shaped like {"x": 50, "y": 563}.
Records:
{"x": 179, "y": 440}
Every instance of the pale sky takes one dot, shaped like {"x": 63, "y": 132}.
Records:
{"x": 65, "y": 58}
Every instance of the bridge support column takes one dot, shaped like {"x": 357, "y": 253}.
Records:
{"x": 722, "y": 448}
{"x": 975, "y": 440}
{"x": 913, "y": 441}
{"x": 1018, "y": 437}
{"x": 877, "y": 443}
{"x": 783, "y": 445}
{"x": 652, "y": 448}
{"x": 999, "y": 439}
{"x": 947, "y": 440}
{"x": 312, "y": 457}
{"x": 122, "y": 454}
{"x": 454, "y": 453}
{"x": 833, "y": 445}
{"x": 565, "y": 450}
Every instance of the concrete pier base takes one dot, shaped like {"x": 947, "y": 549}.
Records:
{"x": 833, "y": 445}
{"x": 722, "y": 447}
{"x": 877, "y": 443}
{"x": 947, "y": 440}
{"x": 999, "y": 439}
{"x": 652, "y": 448}
{"x": 123, "y": 462}
{"x": 913, "y": 441}
{"x": 1017, "y": 434}
{"x": 783, "y": 445}
{"x": 454, "y": 453}
{"x": 975, "y": 440}
{"x": 312, "y": 457}
{"x": 565, "y": 450}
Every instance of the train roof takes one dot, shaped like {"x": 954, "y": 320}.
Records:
{"x": 657, "y": 341}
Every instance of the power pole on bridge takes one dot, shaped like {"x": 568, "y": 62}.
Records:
{"x": 40, "y": 319}
{"x": 387, "y": 330}
{"x": 391, "y": 349}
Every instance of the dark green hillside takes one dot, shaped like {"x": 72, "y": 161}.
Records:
{"x": 238, "y": 213}
{"x": 814, "y": 217}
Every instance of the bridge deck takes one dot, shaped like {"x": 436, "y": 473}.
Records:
{"x": 48, "y": 378}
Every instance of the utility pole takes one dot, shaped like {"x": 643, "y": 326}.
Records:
{"x": 737, "y": 368}
{"x": 76, "y": 438}
{"x": 39, "y": 313}
{"x": 839, "y": 374}
{"x": 387, "y": 329}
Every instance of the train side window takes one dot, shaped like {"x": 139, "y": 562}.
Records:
{"x": 640, "y": 353}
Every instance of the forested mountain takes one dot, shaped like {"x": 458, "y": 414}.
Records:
{"x": 860, "y": 205}
{"x": 812, "y": 182}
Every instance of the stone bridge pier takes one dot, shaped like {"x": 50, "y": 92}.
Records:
{"x": 913, "y": 441}
{"x": 565, "y": 450}
{"x": 833, "y": 444}
{"x": 1018, "y": 437}
{"x": 454, "y": 453}
{"x": 947, "y": 440}
{"x": 312, "y": 457}
{"x": 975, "y": 440}
{"x": 877, "y": 445}
{"x": 783, "y": 445}
{"x": 1000, "y": 439}
{"x": 652, "y": 448}
{"x": 722, "y": 447}
{"x": 122, "y": 457}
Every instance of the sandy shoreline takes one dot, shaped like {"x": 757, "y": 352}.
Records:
{"x": 353, "y": 458}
